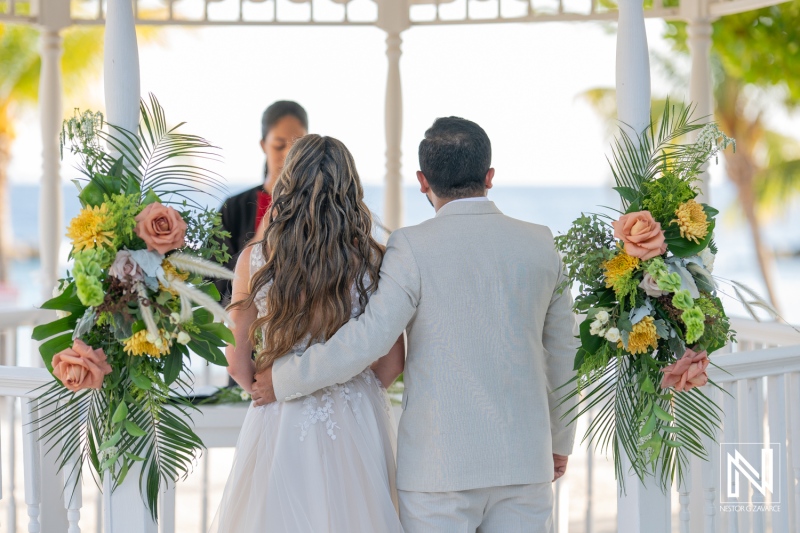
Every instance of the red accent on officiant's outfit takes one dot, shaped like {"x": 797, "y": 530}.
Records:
{"x": 264, "y": 201}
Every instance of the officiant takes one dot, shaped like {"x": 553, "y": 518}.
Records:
{"x": 282, "y": 124}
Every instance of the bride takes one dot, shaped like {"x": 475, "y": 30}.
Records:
{"x": 324, "y": 462}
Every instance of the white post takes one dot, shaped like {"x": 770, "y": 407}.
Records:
{"x": 778, "y": 432}
{"x": 393, "y": 18}
{"x": 793, "y": 401}
{"x": 51, "y": 223}
{"x": 121, "y": 66}
{"x": 73, "y": 495}
{"x": 641, "y": 508}
{"x": 53, "y": 16}
{"x": 31, "y": 459}
{"x": 700, "y": 88}
{"x": 633, "y": 67}
{"x": 710, "y": 477}
{"x": 123, "y": 510}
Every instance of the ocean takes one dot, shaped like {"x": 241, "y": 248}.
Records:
{"x": 555, "y": 207}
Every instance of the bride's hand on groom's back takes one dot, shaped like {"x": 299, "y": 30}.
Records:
{"x": 559, "y": 465}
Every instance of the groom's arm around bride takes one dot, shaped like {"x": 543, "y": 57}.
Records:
{"x": 490, "y": 338}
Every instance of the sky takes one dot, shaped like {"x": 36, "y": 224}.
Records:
{"x": 521, "y": 82}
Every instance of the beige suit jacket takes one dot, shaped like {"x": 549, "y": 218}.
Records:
{"x": 489, "y": 339}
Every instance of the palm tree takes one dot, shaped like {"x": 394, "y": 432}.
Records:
{"x": 765, "y": 169}
{"x": 19, "y": 91}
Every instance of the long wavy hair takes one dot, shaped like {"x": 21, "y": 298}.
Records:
{"x": 318, "y": 243}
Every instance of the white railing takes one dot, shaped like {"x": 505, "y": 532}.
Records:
{"x": 764, "y": 406}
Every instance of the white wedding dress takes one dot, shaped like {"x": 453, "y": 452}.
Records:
{"x": 324, "y": 463}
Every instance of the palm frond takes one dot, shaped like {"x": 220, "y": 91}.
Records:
{"x": 157, "y": 155}
{"x": 639, "y": 157}
{"x": 169, "y": 446}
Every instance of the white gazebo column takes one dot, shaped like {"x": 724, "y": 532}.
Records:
{"x": 121, "y": 66}
{"x": 393, "y": 18}
{"x": 642, "y": 507}
{"x": 700, "y": 88}
{"x": 123, "y": 510}
{"x": 53, "y": 16}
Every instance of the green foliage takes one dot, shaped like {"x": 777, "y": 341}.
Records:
{"x": 759, "y": 47}
{"x": 596, "y": 361}
{"x": 664, "y": 195}
{"x": 206, "y": 235}
{"x": 140, "y": 414}
{"x": 656, "y": 429}
{"x": 717, "y": 332}
{"x": 625, "y": 287}
{"x": 156, "y": 157}
{"x": 640, "y": 158}
{"x": 122, "y": 209}
{"x": 226, "y": 395}
{"x": 153, "y": 161}
{"x": 585, "y": 247}
{"x": 590, "y": 345}
{"x": 754, "y": 55}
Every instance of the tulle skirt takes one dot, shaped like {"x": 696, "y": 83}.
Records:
{"x": 324, "y": 463}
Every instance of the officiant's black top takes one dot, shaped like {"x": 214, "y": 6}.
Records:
{"x": 238, "y": 214}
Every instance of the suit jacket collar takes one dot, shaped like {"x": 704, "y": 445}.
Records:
{"x": 468, "y": 208}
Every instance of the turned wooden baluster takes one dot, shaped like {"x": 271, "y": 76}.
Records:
{"x": 31, "y": 458}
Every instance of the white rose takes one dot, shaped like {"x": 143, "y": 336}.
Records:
{"x": 708, "y": 259}
{"x": 184, "y": 338}
{"x": 612, "y": 335}
{"x": 596, "y": 328}
{"x": 602, "y": 317}
{"x": 244, "y": 396}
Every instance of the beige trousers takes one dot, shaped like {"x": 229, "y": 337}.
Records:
{"x": 510, "y": 509}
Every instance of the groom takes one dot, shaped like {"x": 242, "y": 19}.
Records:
{"x": 489, "y": 340}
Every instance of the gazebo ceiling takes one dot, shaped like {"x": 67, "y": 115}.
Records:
{"x": 365, "y": 12}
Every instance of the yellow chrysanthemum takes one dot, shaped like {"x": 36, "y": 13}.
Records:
{"x": 170, "y": 272}
{"x": 692, "y": 221}
{"x": 643, "y": 338}
{"x": 86, "y": 229}
{"x": 139, "y": 345}
{"x": 619, "y": 266}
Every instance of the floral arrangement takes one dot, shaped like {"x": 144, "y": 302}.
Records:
{"x": 134, "y": 305}
{"x": 652, "y": 306}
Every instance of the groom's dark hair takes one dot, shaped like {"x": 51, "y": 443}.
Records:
{"x": 455, "y": 156}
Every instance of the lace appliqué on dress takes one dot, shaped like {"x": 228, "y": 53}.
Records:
{"x": 321, "y": 410}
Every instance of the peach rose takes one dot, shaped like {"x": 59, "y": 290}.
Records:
{"x": 161, "y": 228}
{"x": 687, "y": 372}
{"x": 81, "y": 367}
{"x": 641, "y": 234}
